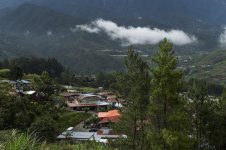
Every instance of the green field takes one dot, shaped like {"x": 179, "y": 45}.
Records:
{"x": 4, "y": 73}
{"x": 85, "y": 89}
{"x": 210, "y": 66}
{"x": 71, "y": 119}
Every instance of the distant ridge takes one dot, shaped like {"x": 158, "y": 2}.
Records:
{"x": 43, "y": 28}
{"x": 37, "y": 19}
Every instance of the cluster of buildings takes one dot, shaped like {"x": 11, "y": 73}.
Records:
{"x": 103, "y": 132}
{"x": 22, "y": 87}
{"x": 103, "y": 135}
{"x": 79, "y": 101}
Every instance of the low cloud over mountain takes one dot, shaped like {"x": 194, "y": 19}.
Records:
{"x": 222, "y": 38}
{"x": 137, "y": 35}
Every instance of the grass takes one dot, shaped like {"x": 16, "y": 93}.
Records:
{"x": 5, "y": 134}
{"x": 21, "y": 141}
{"x": 85, "y": 89}
{"x": 216, "y": 71}
{"x": 71, "y": 119}
{"x": 4, "y": 73}
{"x": 88, "y": 89}
{"x": 4, "y": 70}
{"x": 25, "y": 141}
{"x": 6, "y": 88}
{"x": 12, "y": 140}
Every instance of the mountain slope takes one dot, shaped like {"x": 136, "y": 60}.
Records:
{"x": 211, "y": 11}
{"x": 31, "y": 30}
{"x": 37, "y": 19}
{"x": 210, "y": 66}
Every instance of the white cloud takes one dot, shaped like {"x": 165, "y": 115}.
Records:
{"x": 222, "y": 39}
{"x": 88, "y": 28}
{"x": 137, "y": 35}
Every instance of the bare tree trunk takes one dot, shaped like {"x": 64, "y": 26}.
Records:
{"x": 142, "y": 131}
{"x": 134, "y": 133}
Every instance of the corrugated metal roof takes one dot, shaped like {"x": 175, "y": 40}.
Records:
{"x": 23, "y": 81}
{"x": 88, "y": 105}
{"x": 29, "y": 92}
{"x": 82, "y": 96}
{"x": 76, "y": 135}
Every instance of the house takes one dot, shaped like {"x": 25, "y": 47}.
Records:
{"x": 19, "y": 85}
{"x": 22, "y": 85}
{"x": 70, "y": 96}
{"x": 89, "y": 101}
{"x": 76, "y": 136}
{"x": 112, "y": 99}
{"x": 112, "y": 116}
{"x": 23, "y": 82}
{"x": 115, "y": 102}
{"x": 108, "y": 120}
{"x": 105, "y": 134}
{"x": 102, "y": 135}
{"x": 111, "y": 113}
{"x": 89, "y": 98}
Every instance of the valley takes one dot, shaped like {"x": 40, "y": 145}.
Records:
{"x": 38, "y": 29}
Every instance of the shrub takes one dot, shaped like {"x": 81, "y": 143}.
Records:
{"x": 22, "y": 141}
{"x": 44, "y": 128}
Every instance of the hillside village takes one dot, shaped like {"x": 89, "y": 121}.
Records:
{"x": 104, "y": 108}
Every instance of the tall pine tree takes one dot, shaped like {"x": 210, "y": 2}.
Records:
{"x": 135, "y": 87}
{"x": 169, "y": 120}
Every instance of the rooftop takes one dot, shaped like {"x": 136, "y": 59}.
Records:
{"x": 110, "y": 119}
{"x": 112, "y": 113}
{"x": 82, "y": 96}
{"x": 76, "y": 135}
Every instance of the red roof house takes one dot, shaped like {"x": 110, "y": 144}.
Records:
{"x": 110, "y": 116}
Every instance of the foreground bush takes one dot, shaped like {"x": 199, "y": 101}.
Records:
{"x": 23, "y": 141}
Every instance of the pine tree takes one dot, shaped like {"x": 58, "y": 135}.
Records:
{"x": 136, "y": 87}
{"x": 16, "y": 73}
{"x": 168, "y": 117}
{"x": 209, "y": 117}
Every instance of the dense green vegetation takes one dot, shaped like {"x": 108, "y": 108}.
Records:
{"x": 162, "y": 110}
{"x": 32, "y": 66}
{"x": 71, "y": 119}
{"x": 4, "y": 73}
{"x": 17, "y": 141}
{"x": 43, "y": 114}
{"x": 178, "y": 114}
